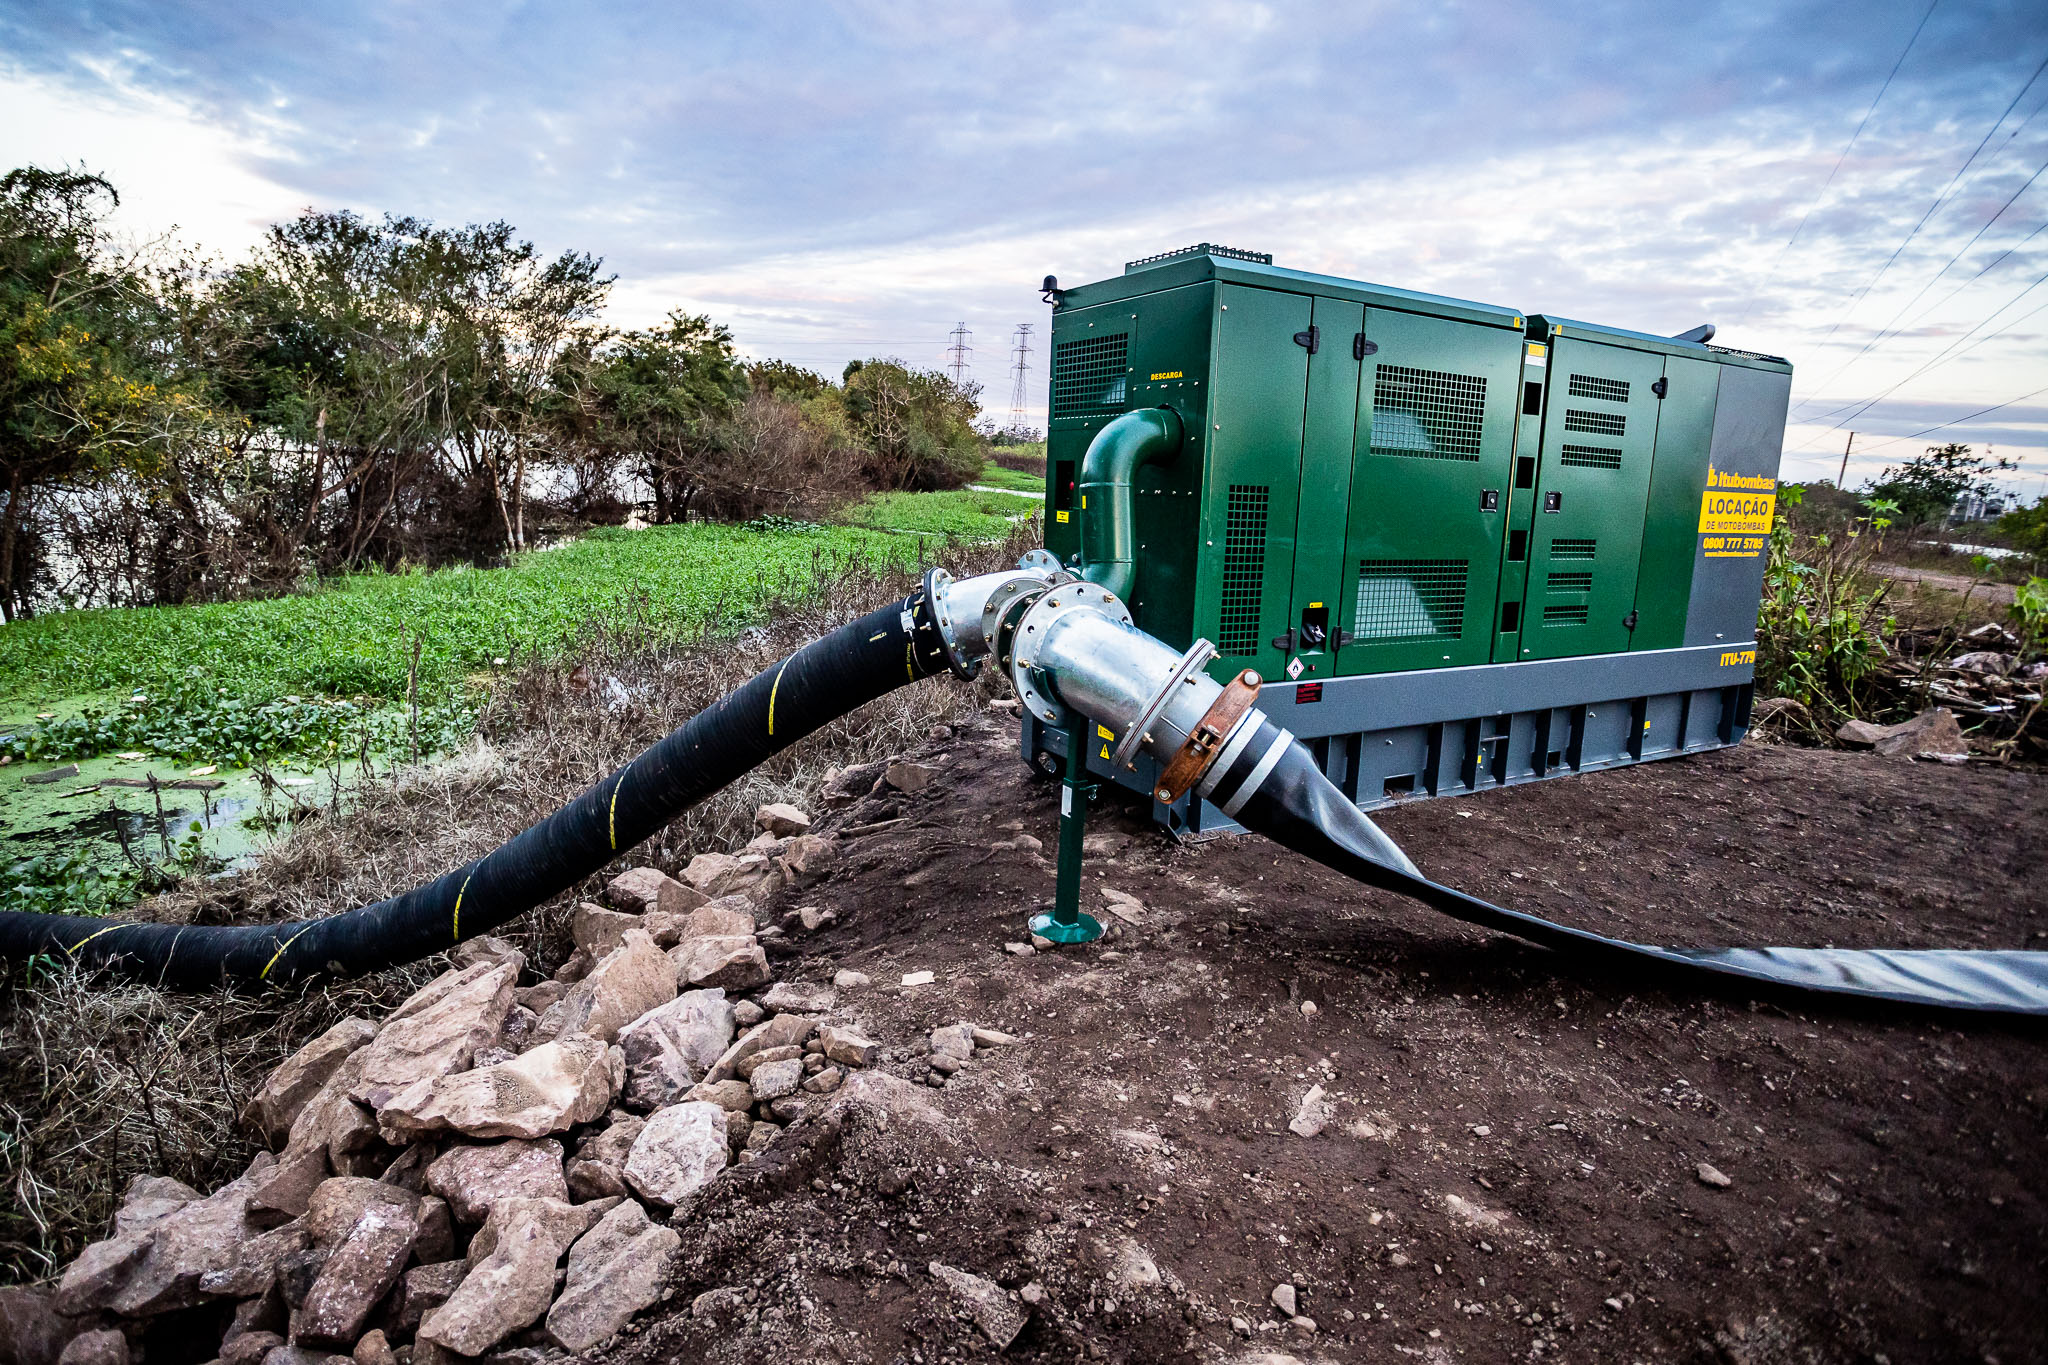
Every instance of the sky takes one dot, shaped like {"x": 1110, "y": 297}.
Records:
{"x": 1849, "y": 186}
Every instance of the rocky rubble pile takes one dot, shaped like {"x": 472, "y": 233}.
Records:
{"x": 488, "y": 1171}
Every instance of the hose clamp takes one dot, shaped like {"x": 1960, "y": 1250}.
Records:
{"x": 1207, "y": 739}
{"x": 1126, "y": 749}
{"x": 1036, "y": 624}
{"x": 937, "y": 586}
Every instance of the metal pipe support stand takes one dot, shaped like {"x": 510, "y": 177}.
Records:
{"x": 1066, "y": 923}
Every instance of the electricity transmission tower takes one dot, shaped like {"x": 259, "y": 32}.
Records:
{"x": 959, "y": 352}
{"x": 1020, "y": 356}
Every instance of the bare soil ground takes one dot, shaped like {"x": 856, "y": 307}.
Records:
{"x": 1512, "y": 1168}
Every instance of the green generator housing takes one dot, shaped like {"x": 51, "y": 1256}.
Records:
{"x": 1462, "y": 545}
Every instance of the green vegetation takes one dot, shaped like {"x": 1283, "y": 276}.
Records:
{"x": 1924, "y": 488}
{"x": 353, "y": 639}
{"x": 995, "y": 476}
{"x": 967, "y": 514}
{"x": 1821, "y": 626}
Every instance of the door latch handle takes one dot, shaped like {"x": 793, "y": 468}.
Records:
{"x": 1344, "y": 637}
{"x": 1311, "y": 340}
{"x": 1284, "y": 640}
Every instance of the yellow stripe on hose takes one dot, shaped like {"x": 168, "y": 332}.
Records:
{"x": 773, "y": 688}
{"x": 909, "y": 668}
{"x": 611, "y": 817}
{"x": 455, "y": 922}
{"x": 73, "y": 949}
{"x": 264, "y": 975}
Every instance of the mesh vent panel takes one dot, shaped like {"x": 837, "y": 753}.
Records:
{"x": 1411, "y": 599}
{"x": 1565, "y": 616}
{"x": 1244, "y": 570}
{"x": 1427, "y": 413}
{"x": 1591, "y": 457}
{"x": 1572, "y": 549}
{"x": 1599, "y": 423}
{"x": 1592, "y": 386}
{"x": 1088, "y": 375}
{"x": 1576, "y": 580}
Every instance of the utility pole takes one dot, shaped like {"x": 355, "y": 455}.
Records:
{"x": 1020, "y": 355}
{"x": 959, "y": 352}
{"x": 1841, "y": 479}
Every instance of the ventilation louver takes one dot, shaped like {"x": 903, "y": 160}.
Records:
{"x": 1244, "y": 571}
{"x": 1429, "y": 414}
{"x": 1411, "y": 599}
{"x": 1089, "y": 375}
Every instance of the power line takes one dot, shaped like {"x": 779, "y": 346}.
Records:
{"x": 1981, "y": 412}
{"x": 1832, "y": 171}
{"x": 1939, "y": 356}
{"x": 960, "y": 353}
{"x": 1881, "y": 335}
{"x": 1020, "y": 354}
{"x": 1931, "y": 208}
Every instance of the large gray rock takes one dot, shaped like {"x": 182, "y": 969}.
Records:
{"x": 792, "y": 997}
{"x": 31, "y": 1333}
{"x": 773, "y": 1080}
{"x": 726, "y": 917}
{"x": 276, "y": 1105}
{"x": 847, "y": 1047}
{"x": 149, "y": 1200}
{"x": 985, "y": 1302}
{"x": 617, "y": 1269}
{"x": 512, "y": 1283}
{"x": 596, "y": 930}
{"x": 473, "y": 1178}
{"x": 339, "y": 1204}
{"x": 727, "y": 961}
{"x": 359, "y": 1272}
{"x": 284, "y": 1188}
{"x": 631, "y": 980}
{"x": 1933, "y": 731}
{"x": 669, "y": 1048}
{"x": 782, "y": 820}
{"x": 105, "y": 1347}
{"x": 437, "y": 1032}
{"x": 598, "y": 1169}
{"x": 725, "y": 874}
{"x": 332, "y": 1121}
{"x": 158, "y": 1268}
{"x": 806, "y": 858}
{"x": 681, "y": 1150}
{"x": 554, "y": 1087}
{"x": 644, "y": 890}
{"x": 255, "y": 1267}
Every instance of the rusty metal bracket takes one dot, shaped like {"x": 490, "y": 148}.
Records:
{"x": 1216, "y": 725}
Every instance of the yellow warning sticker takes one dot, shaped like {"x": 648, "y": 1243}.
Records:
{"x": 1168, "y": 374}
{"x": 1059, "y": 516}
{"x": 1725, "y": 512}
{"x": 1104, "y": 732}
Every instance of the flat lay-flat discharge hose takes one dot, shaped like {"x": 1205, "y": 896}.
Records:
{"x": 777, "y": 707}
{"x": 1296, "y": 806}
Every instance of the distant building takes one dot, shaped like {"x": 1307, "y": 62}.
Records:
{"x": 1978, "y": 507}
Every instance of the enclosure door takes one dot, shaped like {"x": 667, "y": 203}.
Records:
{"x": 1430, "y": 454}
{"x": 1592, "y": 484}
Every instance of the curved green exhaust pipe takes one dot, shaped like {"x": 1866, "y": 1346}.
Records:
{"x": 1109, "y": 549}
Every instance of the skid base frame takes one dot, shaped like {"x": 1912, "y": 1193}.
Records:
{"x": 1393, "y": 737}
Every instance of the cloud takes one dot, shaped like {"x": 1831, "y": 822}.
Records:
{"x": 845, "y": 179}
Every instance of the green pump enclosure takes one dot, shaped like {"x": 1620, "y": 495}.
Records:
{"x": 1463, "y": 545}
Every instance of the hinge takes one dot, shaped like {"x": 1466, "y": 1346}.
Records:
{"x": 1284, "y": 641}
{"x": 1343, "y": 638}
{"x": 1628, "y": 622}
{"x": 1311, "y": 339}
{"x": 1361, "y": 348}
{"x": 1661, "y": 387}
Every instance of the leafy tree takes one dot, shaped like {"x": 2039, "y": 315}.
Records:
{"x": 917, "y": 426}
{"x": 1928, "y": 485}
{"x": 2026, "y": 528}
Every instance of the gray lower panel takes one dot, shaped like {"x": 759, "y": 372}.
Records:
{"x": 1445, "y": 732}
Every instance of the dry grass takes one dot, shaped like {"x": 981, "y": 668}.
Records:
{"x": 101, "y": 1081}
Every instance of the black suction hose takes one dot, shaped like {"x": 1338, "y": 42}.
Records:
{"x": 1292, "y": 803}
{"x": 819, "y": 683}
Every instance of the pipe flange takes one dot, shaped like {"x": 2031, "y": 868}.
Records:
{"x": 1001, "y": 602}
{"x": 1197, "y": 657}
{"x": 1041, "y": 560}
{"x": 937, "y": 586}
{"x": 1031, "y": 631}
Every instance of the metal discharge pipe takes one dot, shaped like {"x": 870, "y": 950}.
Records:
{"x": 1109, "y": 544}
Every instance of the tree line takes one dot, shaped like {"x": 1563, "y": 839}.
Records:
{"x": 360, "y": 394}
